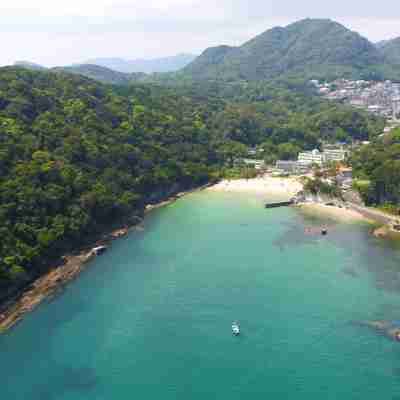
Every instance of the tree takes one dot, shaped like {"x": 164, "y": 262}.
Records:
{"x": 231, "y": 150}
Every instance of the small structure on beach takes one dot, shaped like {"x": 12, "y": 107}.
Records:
{"x": 292, "y": 167}
{"x": 97, "y": 251}
{"x": 119, "y": 233}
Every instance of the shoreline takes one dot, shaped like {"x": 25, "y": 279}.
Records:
{"x": 290, "y": 187}
{"x": 56, "y": 278}
{"x": 339, "y": 214}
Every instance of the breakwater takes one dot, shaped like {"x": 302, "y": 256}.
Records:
{"x": 278, "y": 204}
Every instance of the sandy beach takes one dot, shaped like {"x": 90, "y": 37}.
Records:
{"x": 337, "y": 213}
{"x": 263, "y": 185}
{"x": 287, "y": 188}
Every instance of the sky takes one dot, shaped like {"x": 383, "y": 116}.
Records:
{"x": 62, "y": 32}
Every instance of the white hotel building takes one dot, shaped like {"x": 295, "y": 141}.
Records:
{"x": 311, "y": 157}
{"x": 316, "y": 157}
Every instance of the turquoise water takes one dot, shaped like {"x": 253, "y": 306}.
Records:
{"x": 151, "y": 318}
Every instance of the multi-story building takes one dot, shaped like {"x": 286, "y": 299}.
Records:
{"x": 337, "y": 155}
{"x": 311, "y": 157}
{"x": 289, "y": 167}
{"x": 292, "y": 167}
{"x": 257, "y": 164}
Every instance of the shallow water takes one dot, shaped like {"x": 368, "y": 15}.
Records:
{"x": 151, "y": 318}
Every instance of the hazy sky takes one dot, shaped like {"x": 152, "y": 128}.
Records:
{"x": 60, "y": 32}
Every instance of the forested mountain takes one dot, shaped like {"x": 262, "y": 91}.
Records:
{"x": 165, "y": 64}
{"x": 96, "y": 72}
{"x": 74, "y": 156}
{"x": 311, "y": 47}
{"x": 102, "y": 74}
{"x": 390, "y": 49}
{"x": 29, "y": 65}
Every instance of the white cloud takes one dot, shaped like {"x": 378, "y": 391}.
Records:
{"x": 87, "y": 8}
{"x": 56, "y": 8}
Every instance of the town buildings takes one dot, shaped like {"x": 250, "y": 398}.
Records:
{"x": 256, "y": 164}
{"x": 311, "y": 157}
{"x": 335, "y": 155}
{"x": 345, "y": 178}
{"x": 307, "y": 159}
{"x": 289, "y": 167}
{"x": 381, "y": 98}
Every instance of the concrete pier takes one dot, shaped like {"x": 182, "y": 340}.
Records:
{"x": 279, "y": 204}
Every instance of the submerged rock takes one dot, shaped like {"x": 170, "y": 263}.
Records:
{"x": 390, "y": 329}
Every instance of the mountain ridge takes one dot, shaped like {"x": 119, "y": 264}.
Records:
{"x": 309, "y": 49}
{"x": 148, "y": 66}
{"x": 391, "y": 51}
{"x": 30, "y": 65}
{"x": 303, "y": 46}
{"x": 101, "y": 74}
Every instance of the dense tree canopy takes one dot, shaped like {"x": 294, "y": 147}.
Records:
{"x": 378, "y": 165}
{"x": 77, "y": 155}
{"x": 313, "y": 48}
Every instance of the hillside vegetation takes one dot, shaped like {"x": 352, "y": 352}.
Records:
{"x": 77, "y": 156}
{"x": 377, "y": 166}
{"x": 390, "y": 49}
{"x": 310, "y": 48}
{"x": 102, "y": 74}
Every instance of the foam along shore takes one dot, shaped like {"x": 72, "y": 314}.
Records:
{"x": 342, "y": 214}
{"x": 287, "y": 187}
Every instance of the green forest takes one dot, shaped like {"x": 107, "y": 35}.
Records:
{"x": 377, "y": 167}
{"x": 77, "y": 156}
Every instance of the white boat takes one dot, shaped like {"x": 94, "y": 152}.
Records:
{"x": 235, "y": 328}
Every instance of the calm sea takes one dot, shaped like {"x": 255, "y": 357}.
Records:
{"x": 151, "y": 319}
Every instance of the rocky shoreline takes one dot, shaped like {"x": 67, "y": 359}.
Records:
{"x": 385, "y": 224}
{"x": 47, "y": 285}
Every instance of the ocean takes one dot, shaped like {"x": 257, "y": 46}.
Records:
{"x": 151, "y": 318}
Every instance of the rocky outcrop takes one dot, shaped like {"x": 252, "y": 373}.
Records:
{"x": 390, "y": 329}
{"x": 381, "y": 232}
